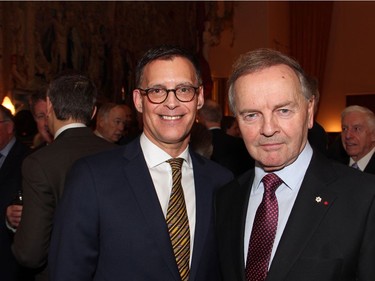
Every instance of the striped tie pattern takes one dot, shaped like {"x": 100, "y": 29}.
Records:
{"x": 264, "y": 231}
{"x": 177, "y": 221}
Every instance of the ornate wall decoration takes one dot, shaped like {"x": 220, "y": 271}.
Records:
{"x": 100, "y": 39}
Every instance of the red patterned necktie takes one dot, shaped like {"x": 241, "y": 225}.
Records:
{"x": 177, "y": 221}
{"x": 264, "y": 231}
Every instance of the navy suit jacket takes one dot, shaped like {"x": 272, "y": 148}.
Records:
{"x": 110, "y": 226}
{"x": 331, "y": 239}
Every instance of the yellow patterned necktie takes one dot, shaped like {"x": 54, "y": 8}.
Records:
{"x": 177, "y": 221}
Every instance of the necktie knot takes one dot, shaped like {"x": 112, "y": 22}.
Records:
{"x": 176, "y": 163}
{"x": 271, "y": 182}
{"x": 355, "y": 165}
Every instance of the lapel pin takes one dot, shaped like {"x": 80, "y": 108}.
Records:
{"x": 318, "y": 199}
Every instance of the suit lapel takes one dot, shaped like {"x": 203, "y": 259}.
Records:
{"x": 203, "y": 212}
{"x": 312, "y": 203}
{"x": 237, "y": 218}
{"x": 145, "y": 194}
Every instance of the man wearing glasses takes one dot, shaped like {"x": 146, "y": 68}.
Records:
{"x": 124, "y": 227}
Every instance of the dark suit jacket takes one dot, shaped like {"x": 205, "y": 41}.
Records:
{"x": 110, "y": 226}
{"x": 344, "y": 158}
{"x": 318, "y": 138}
{"x": 44, "y": 174}
{"x": 230, "y": 152}
{"x": 321, "y": 242}
{"x": 370, "y": 168}
{"x": 10, "y": 183}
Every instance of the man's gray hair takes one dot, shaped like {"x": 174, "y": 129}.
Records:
{"x": 260, "y": 59}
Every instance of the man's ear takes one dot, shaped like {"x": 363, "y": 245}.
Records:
{"x": 49, "y": 106}
{"x": 93, "y": 112}
{"x": 200, "y": 98}
{"x": 138, "y": 100}
{"x": 310, "y": 112}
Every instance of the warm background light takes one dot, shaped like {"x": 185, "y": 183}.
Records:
{"x": 8, "y": 104}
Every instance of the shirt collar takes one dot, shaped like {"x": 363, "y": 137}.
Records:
{"x": 292, "y": 174}
{"x": 362, "y": 163}
{"x": 155, "y": 156}
{"x": 8, "y": 147}
{"x": 72, "y": 125}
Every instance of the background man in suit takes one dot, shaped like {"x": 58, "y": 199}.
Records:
{"x": 38, "y": 107}
{"x": 322, "y": 222}
{"x": 111, "y": 121}
{"x": 358, "y": 137}
{"x": 122, "y": 232}
{"x": 316, "y": 135}
{"x": 230, "y": 125}
{"x": 228, "y": 151}
{"x": 70, "y": 105}
{"x": 12, "y": 153}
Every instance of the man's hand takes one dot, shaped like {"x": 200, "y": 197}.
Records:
{"x": 13, "y": 215}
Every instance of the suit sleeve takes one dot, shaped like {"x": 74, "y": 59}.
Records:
{"x": 31, "y": 241}
{"x": 75, "y": 238}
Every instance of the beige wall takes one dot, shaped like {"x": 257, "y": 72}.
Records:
{"x": 351, "y": 59}
{"x": 250, "y": 32}
{"x": 351, "y": 55}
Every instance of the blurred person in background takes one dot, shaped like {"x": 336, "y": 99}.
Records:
{"x": 111, "y": 121}
{"x": 12, "y": 153}
{"x": 230, "y": 126}
{"x": 71, "y": 103}
{"x": 358, "y": 137}
{"x": 38, "y": 107}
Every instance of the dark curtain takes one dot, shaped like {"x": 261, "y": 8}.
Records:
{"x": 310, "y": 30}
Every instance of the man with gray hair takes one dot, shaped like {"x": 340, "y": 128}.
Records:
{"x": 358, "y": 137}
{"x": 111, "y": 121}
{"x": 298, "y": 215}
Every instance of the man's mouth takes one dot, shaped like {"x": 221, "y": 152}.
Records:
{"x": 168, "y": 117}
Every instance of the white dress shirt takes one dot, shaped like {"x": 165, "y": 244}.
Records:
{"x": 362, "y": 163}
{"x": 161, "y": 174}
{"x": 286, "y": 194}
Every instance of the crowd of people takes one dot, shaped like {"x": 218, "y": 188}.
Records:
{"x": 187, "y": 193}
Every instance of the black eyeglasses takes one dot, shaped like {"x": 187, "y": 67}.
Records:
{"x": 159, "y": 95}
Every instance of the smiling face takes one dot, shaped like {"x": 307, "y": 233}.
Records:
{"x": 273, "y": 116}
{"x": 168, "y": 124}
{"x": 357, "y": 137}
